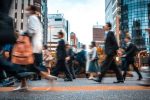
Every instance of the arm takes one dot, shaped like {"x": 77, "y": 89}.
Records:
{"x": 32, "y": 25}
{"x": 130, "y": 51}
{"x": 94, "y": 53}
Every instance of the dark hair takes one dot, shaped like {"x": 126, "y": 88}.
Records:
{"x": 33, "y": 8}
{"x": 61, "y": 33}
{"x": 128, "y": 37}
{"x": 109, "y": 25}
{"x": 45, "y": 47}
{"x": 83, "y": 47}
{"x": 93, "y": 44}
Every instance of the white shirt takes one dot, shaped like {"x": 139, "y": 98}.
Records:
{"x": 35, "y": 30}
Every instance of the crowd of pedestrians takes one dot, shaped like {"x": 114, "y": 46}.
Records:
{"x": 32, "y": 59}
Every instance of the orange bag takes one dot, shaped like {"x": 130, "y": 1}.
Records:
{"x": 22, "y": 52}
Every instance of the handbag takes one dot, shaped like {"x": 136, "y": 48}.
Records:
{"x": 22, "y": 52}
{"x": 7, "y": 35}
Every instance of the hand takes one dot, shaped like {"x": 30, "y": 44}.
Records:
{"x": 67, "y": 58}
{"x": 124, "y": 55}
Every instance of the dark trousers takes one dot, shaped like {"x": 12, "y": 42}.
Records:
{"x": 61, "y": 66}
{"x": 71, "y": 69}
{"x": 110, "y": 63}
{"x": 126, "y": 67}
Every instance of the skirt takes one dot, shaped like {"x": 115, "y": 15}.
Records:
{"x": 93, "y": 67}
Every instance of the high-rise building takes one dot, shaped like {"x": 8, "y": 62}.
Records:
{"x": 56, "y": 23}
{"x": 108, "y": 11}
{"x": 112, "y": 11}
{"x": 17, "y": 12}
{"x": 98, "y": 35}
{"x": 135, "y": 18}
{"x": 44, "y": 19}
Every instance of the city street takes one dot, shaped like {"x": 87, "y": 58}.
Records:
{"x": 79, "y": 89}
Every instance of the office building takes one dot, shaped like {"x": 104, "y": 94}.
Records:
{"x": 98, "y": 35}
{"x": 56, "y": 23}
{"x": 135, "y": 18}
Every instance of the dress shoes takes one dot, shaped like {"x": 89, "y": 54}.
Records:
{"x": 118, "y": 82}
{"x": 67, "y": 80}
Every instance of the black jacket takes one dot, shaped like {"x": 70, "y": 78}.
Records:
{"x": 70, "y": 54}
{"x": 61, "y": 50}
{"x": 130, "y": 52}
{"x": 111, "y": 45}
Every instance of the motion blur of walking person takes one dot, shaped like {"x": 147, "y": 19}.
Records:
{"x": 130, "y": 53}
{"x": 7, "y": 36}
{"x": 35, "y": 32}
{"x": 93, "y": 61}
{"x": 110, "y": 49}
{"x": 47, "y": 58}
{"x": 69, "y": 60}
{"x": 61, "y": 58}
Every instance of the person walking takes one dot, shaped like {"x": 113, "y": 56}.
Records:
{"x": 69, "y": 60}
{"x": 61, "y": 58}
{"x": 110, "y": 49}
{"x": 7, "y": 36}
{"x": 47, "y": 58}
{"x": 93, "y": 61}
{"x": 130, "y": 53}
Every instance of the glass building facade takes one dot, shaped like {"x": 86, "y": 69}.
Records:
{"x": 135, "y": 18}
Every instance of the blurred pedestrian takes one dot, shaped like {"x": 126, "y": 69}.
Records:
{"x": 69, "y": 60}
{"x": 93, "y": 61}
{"x": 61, "y": 58}
{"x": 130, "y": 53}
{"x": 47, "y": 58}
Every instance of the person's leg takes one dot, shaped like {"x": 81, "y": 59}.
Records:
{"x": 71, "y": 68}
{"x": 117, "y": 71}
{"x": 105, "y": 67}
{"x": 126, "y": 67}
{"x": 40, "y": 69}
{"x": 137, "y": 71}
{"x": 66, "y": 71}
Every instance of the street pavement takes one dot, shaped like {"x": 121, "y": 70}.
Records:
{"x": 79, "y": 89}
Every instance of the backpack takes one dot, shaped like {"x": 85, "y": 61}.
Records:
{"x": 7, "y": 35}
{"x": 22, "y": 52}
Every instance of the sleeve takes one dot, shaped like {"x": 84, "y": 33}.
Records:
{"x": 132, "y": 48}
{"x": 32, "y": 25}
{"x": 94, "y": 53}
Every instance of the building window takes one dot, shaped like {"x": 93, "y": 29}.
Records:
{"x": 16, "y": 4}
{"x": 15, "y": 15}
{"x": 28, "y": 2}
{"x": 22, "y": 26}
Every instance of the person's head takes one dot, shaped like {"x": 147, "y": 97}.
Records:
{"x": 30, "y": 10}
{"x": 127, "y": 39}
{"x": 107, "y": 26}
{"x": 67, "y": 45}
{"x": 60, "y": 34}
{"x": 93, "y": 44}
{"x": 45, "y": 47}
{"x": 83, "y": 47}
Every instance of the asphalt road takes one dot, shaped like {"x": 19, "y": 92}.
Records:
{"x": 80, "y": 89}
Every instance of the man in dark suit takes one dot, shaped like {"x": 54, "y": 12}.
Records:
{"x": 69, "y": 60}
{"x": 61, "y": 58}
{"x": 111, "y": 48}
{"x": 130, "y": 53}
